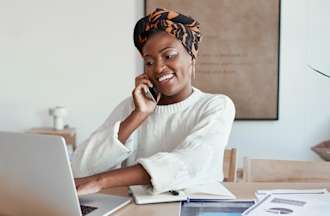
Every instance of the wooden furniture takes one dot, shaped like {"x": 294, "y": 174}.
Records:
{"x": 229, "y": 165}
{"x": 69, "y": 134}
{"x": 323, "y": 150}
{"x": 264, "y": 170}
{"x": 244, "y": 191}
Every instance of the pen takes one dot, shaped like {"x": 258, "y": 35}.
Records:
{"x": 173, "y": 192}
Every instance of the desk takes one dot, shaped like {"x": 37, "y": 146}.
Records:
{"x": 241, "y": 190}
{"x": 69, "y": 134}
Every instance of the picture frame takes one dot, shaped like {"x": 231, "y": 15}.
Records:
{"x": 239, "y": 51}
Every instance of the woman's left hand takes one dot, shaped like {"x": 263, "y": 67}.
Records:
{"x": 88, "y": 185}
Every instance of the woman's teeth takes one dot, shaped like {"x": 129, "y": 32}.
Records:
{"x": 165, "y": 77}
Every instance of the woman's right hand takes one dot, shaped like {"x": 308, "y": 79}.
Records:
{"x": 142, "y": 103}
{"x": 88, "y": 185}
{"x": 144, "y": 106}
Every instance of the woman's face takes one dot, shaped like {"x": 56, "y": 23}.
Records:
{"x": 169, "y": 66}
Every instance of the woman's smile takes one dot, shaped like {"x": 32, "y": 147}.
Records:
{"x": 165, "y": 80}
{"x": 165, "y": 77}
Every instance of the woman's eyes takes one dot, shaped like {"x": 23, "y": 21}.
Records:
{"x": 166, "y": 56}
{"x": 170, "y": 55}
{"x": 147, "y": 63}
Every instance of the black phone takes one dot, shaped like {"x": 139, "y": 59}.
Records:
{"x": 152, "y": 94}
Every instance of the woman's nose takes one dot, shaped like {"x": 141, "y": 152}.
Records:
{"x": 159, "y": 66}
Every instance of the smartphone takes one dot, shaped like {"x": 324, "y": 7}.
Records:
{"x": 152, "y": 94}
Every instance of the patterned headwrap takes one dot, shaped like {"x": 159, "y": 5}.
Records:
{"x": 180, "y": 26}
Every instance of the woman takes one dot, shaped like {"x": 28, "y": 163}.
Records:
{"x": 172, "y": 143}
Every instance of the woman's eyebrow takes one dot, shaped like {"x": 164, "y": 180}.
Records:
{"x": 161, "y": 50}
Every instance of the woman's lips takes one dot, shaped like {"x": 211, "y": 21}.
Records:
{"x": 165, "y": 78}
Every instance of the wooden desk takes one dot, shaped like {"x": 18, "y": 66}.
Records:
{"x": 241, "y": 190}
{"x": 69, "y": 134}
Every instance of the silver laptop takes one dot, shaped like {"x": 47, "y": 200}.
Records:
{"x": 36, "y": 179}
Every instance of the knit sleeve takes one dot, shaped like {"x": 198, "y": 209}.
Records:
{"x": 199, "y": 157}
{"x": 103, "y": 151}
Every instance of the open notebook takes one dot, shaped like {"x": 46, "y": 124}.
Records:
{"x": 210, "y": 191}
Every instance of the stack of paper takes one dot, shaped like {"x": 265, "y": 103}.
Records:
{"x": 291, "y": 202}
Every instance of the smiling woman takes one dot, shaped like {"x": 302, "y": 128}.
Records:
{"x": 174, "y": 142}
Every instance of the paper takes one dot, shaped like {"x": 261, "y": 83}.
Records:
{"x": 292, "y": 204}
{"x": 210, "y": 191}
{"x": 260, "y": 194}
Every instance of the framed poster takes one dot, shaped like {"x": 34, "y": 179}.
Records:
{"x": 239, "y": 51}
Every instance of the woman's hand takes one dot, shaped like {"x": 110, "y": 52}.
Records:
{"x": 144, "y": 106}
{"x": 88, "y": 185}
{"x": 132, "y": 175}
{"x": 142, "y": 102}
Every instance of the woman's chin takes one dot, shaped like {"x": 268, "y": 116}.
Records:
{"x": 168, "y": 93}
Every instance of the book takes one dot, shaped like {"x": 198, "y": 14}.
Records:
{"x": 211, "y": 191}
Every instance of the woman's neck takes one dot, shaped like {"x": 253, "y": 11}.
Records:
{"x": 167, "y": 100}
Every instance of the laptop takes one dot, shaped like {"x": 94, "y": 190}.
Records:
{"x": 36, "y": 179}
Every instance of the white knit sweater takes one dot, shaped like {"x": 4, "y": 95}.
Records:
{"x": 179, "y": 145}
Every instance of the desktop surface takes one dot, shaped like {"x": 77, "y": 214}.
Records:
{"x": 244, "y": 191}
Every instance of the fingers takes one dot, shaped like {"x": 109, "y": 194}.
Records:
{"x": 141, "y": 76}
{"x": 84, "y": 191}
{"x": 81, "y": 191}
{"x": 78, "y": 181}
{"x": 143, "y": 99}
{"x": 143, "y": 79}
{"x": 141, "y": 89}
{"x": 81, "y": 181}
{"x": 87, "y": 187}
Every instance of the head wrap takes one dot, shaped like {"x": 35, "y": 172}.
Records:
{"x": 182, "y": 27}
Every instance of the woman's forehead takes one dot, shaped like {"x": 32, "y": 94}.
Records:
{"x": 160, "y": 41}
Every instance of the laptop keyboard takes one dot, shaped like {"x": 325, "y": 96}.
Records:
{"x": 86, "y": 209}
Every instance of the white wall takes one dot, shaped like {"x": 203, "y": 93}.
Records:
{"x": 80, "y": 54}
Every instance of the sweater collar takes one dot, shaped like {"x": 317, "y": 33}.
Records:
{"x": 180, "y": 105}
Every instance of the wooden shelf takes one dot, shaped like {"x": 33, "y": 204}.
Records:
{"x": 69, "y": 134}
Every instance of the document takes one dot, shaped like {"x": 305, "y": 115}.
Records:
{"x": 260, "y": 194}
{"x": 210, "y": 191}
{"x": 292, "y": 202}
